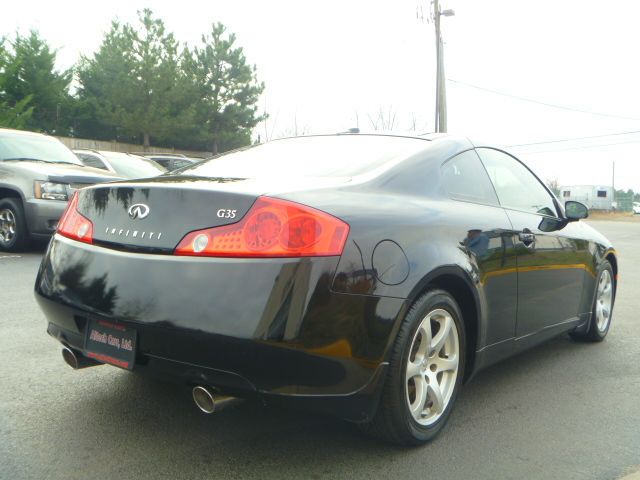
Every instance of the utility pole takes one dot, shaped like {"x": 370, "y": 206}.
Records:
{"x": 613, "y": 182}
{"x": 441, "y": 94}
{"x": 613, "y": 176}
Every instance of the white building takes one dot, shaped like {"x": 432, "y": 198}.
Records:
{"x": 596, "y": 197}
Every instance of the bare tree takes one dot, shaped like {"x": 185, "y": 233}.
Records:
{"x": 296, "y": 130}
{"x": 554, "y": 186}
{"x": 299, "y": 130}
{"x": 266, "y": 120}
{"x": 384, "y": 120}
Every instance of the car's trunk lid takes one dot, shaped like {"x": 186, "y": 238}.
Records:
{"x": 157, "y": 216}
{"x": 154, "y": 215}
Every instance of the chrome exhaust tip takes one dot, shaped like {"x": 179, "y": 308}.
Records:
{"x": 76, "y": 360}
{"x": 204, "y": 399}
{"x": 209, "y": 402}
{"x": 70, "y": 358}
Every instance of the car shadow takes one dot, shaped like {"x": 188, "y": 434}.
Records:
{"x": 37, "y": 246}
{"x": 159, "y": 420}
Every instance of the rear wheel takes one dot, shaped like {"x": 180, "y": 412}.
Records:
{"x": 425, "y": 372}
{"x": 602, "y": 309}
{"x": 13, "y": 226}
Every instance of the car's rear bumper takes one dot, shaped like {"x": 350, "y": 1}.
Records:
{"x": 271, "y": 328}
{"x": 357, "y": 406}
{"x": 43, "y": 215}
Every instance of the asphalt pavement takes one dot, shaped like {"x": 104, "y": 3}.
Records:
{"x": 564, "y": 410}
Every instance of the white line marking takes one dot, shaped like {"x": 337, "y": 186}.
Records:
{"x": 10, "y": 256}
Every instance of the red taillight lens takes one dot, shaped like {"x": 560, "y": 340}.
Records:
{"x": 271, "y": 228}
{"x": 73, "y": 225}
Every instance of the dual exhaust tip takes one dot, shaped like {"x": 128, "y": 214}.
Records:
{"x": 205, "y": 398}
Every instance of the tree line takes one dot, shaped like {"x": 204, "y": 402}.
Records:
{"x": 141, "y": 86}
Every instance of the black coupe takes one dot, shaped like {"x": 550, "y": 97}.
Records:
{"x": 367, "y": 276}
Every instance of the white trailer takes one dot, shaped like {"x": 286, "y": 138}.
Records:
{"x": 595, "y": 197}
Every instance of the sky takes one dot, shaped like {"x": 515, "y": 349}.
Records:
{"x": 525, "y": 75}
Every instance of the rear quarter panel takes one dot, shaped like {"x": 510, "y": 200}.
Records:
{"x": 395, "y": 251}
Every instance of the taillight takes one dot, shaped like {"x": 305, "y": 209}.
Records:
{"x": 73, "y": 225}
{"x": 271, "y": 228}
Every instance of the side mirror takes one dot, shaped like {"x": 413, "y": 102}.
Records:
{"x": 575, "y": 211}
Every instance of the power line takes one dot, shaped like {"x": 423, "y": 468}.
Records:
{"x": 552, "y": 105}
{"x": 575, "y": 139}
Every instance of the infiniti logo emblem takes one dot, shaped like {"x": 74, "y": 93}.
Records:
{"x": 139, "y": 210}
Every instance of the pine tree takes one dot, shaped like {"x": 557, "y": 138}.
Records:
{"x": 134, "y": 83}
{"x": 33, "y": 94}
{"x": 227, "y": 91}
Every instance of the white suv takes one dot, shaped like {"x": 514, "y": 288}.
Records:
{"x": 636, "y": 207}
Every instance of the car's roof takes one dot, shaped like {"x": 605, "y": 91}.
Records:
{"x": 111, "y": 152}
{"x": 24, "y": 133}
{"x": 425, "y": 137}
{"x": 417, "y": 136}
{"x": 85, "y": 150}
{"x": 163, "y": 155}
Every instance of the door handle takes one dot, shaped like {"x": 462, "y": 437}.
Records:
{"x": 527, "y": 237}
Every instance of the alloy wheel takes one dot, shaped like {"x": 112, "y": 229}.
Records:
{"x": 432, "y": 367}
{"x": 604, "y": 300}
{"x": 7, "y": 226}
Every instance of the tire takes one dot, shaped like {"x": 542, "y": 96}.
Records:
{"x": 394, "y": 421}
{"x": 13, "y": 226}
{"x": 603, "y": 301}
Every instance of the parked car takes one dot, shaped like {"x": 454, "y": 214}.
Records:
{"x": 123, "y": 164}
{"x": 636, "y": 208}
{"x": 37, "y": 176}
{"x": 171, "y": 162}
{"x": 369, "y": 280}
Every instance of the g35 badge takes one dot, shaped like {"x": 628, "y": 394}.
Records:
{"x": 224, "y": 213}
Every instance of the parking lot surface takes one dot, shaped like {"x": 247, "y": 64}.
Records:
{"x": 563, "y": 410}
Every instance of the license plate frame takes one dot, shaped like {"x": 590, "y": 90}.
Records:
{"x": 110, "y": 342}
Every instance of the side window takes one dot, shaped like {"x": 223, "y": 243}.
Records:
{"x": 515, "y": 185}
{"x": 464, "y": 178}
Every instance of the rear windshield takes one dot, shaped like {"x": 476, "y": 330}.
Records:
{"x": 91, "y": 160}
{"x": 132, "y": 166}
{"x": 322, "y": 156}
{"x": 35, "y": 147}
